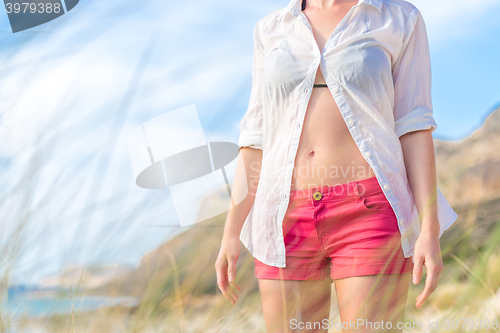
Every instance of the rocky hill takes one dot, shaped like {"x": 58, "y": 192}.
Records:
{"x": 469, "y": 170}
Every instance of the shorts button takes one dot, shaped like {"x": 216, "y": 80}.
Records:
{"x": 317, "y": 196}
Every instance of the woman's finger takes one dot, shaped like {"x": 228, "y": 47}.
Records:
{"x": 417, "y": 268}
{"x": 431, "y": 283}
{"x": 222, "y": 283}
{"x": 232, "y": 273}
{"x": 235, "y": 285}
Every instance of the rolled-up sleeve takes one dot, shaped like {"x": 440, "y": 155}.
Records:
{"x": 251, "y": 131}
{"x": 412, "y": 81}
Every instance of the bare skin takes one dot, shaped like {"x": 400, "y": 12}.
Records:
{"x": 327, "y": 153}
{"x": 326, "y": 142}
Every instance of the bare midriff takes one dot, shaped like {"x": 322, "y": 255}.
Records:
{"x": 327, "y": 154}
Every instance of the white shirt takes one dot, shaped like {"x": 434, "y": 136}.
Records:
{"x": 377, "y": 66}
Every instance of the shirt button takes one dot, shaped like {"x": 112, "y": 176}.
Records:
{"x": 403, "y": 229}
{"x": 335, "y": 90}
{"x": 386, "y": 187}
{"x": 350, "y": 122}
{"x": 367, "y": 155}
{"x": 291, "y": 161}
{"x": 306, "y": 91}
{"x": 298, "y": 125}
{"x": 284, "y": 196}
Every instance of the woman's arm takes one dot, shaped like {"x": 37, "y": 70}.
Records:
{"x": 420, "y": 162}
{"x": 247, "y": 171}
{"x": 251, "y": 142}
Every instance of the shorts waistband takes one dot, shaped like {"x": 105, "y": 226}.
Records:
{"x": 355, "y": 189}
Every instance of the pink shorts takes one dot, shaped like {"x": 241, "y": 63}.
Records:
{"x": 340, "y": 231}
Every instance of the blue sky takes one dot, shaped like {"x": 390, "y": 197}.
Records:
{"x": 464, "y": 56}
{"x": 67, "y": 85}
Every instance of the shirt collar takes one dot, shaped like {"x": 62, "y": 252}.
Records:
{"x": 295, "y": 6}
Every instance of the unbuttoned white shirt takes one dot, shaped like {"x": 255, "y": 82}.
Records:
{"x": 377, "y": 67}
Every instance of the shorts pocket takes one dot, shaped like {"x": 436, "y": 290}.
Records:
{"x": 376, "y": 202}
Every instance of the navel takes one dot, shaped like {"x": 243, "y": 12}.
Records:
{"x": 311, "y": 153}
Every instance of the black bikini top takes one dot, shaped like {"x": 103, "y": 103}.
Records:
{"x": 303, "y": 4}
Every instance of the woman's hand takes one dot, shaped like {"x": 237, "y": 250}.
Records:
{"x": 225, "y": 267}
{"x": 427, "y": 252}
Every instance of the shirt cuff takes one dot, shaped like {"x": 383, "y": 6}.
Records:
{"x": 252, "y": 139}
{"x": 418, "y": 119}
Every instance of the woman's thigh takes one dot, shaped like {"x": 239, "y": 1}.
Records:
{"x": 372, "y": 301}
{"x": 295, "y": 305}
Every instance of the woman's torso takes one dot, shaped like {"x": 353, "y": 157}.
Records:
{"x": 327, "y": 154}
